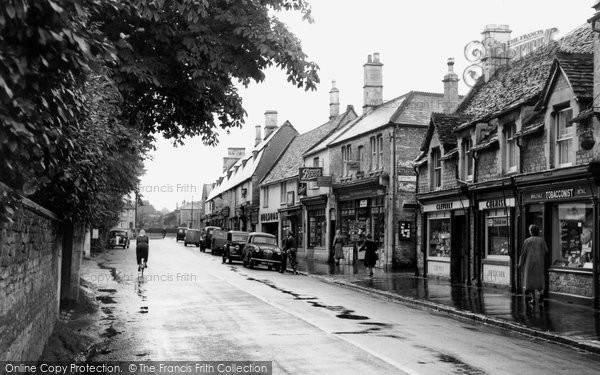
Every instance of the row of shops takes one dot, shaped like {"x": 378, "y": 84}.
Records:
{"x": 475, "y": 233}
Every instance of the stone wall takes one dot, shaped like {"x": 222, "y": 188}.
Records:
{"x": 487, "y": 165}
{"x": 30, "y": 266}
{"x": 533, "y": 154}
{"x": 572, "y": 283}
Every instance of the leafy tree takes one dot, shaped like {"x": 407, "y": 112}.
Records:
{"x": 86, "y": 84}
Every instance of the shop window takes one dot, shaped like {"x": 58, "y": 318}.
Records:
{"x": 497, "y": 234}
{"x": 316, "y": 228}
{"x": 564, "y": 137}
{"x": 347, "y": 218}
{"x": 510, "y": 148}
{"x": 467, "y": 144}
{"x": 572, "y": 235}
{"x": 438, "y": 241}
{"x": 436, "y": 165}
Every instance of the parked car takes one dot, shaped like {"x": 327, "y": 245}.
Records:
{"x": 206, "y": 237}
{"x": 261, "y": 248}
{"x": 218, "y": 239}
{"x": 236, "y": 240}
{"x": 180, "y": 234}
{"x": 192, "y": 236}
{"x": 118, "y": 237}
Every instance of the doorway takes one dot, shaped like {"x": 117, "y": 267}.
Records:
{"x": 459, "y": 248}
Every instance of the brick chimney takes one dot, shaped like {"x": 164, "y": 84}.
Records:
{"x": 270, "y": 122}
{"x": 450, "y": 80}
{"x": 495, "y": 43}
{"x": 373, "y": 88}
{"x": 258, "y": 136}
{"x": 334, "y": 101}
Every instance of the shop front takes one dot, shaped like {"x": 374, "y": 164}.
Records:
{"x": 269, "y": 222}
{"x": 495, "y": 238}
{"x": 567, "y": 216}
{"x": 446, "y": 236}
{"x": 317, "y": 227}
{"x": 291, "y": 219}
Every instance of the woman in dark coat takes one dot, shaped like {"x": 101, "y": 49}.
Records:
{"x": 532, "y": 264}
{"x": 370, "y": 248}
{"x": 141, "y": 250}
{"x": 338, "y": 243}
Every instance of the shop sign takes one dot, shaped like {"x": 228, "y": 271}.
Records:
{"x": 404, "y": 230}
{"x": 496, "y": 203}
{"x": 557, "y": 194}
{"x": 269, "y": 216}
{"x": 306, "y": 174}
{"x": 324, "y": 181}
{"x": 357, "y": 194}
{"x": 95, "y": 234}
{"x": 445, "y": 206}
{"x": 353, "y": 165}
{"x": 494, "y": 274}
{"x": 363, "y": 203}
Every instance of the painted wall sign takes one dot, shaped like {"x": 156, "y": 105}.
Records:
{"x": 446, "y": 206}
{"x": 438, "y": 268}
{"x": 496, "y": 203}
{"x": 269, "y": 216}
{"x": 557, "y": 194}
{"x": 306, "y": 174}
{"x": 324, "y": 181}
{"x": 495, "y": 274}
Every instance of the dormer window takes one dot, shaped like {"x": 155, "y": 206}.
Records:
{"x": 564, "y": 137}
{"x": 436, "y": 168}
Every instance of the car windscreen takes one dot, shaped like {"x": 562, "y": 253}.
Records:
{"x": 239, "y": 237}
{"x": 265, "y": 240}
{"x": 114, "y": 234}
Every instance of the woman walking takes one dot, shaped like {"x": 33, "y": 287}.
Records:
{"x": 371, "y": 257}
{"x": 531, "y": 262}
{"x": 338, "y": 243}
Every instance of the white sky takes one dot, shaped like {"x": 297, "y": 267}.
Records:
{"x": 414, "y": 38}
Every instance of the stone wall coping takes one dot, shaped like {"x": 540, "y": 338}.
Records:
{"x": 31, "y": 205}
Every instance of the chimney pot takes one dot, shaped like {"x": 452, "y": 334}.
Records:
{"x": 258, "y": 136}
{"x": 450, "y": 102}
{"x": 270, "y": 122}
{"x": 373, "y": 87}
{"x": 376, "y": 57}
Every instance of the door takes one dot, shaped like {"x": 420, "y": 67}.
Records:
{"x": 458, "y": 249}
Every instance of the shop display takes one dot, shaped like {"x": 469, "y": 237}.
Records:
{"x": 575, "y": 224}
{"x": 498, "y": 236}
{"x": 439, "y": 238}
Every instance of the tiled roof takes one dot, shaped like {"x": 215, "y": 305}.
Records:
{"x": 291, "y": 159}
{"x": 414, "y": 108}
{"x": 524, "y": 79}
{"x": 345, "y": 124}
{"x": 531, "y": 125}
{"x": 444, "y": 124}
{"x": 579, "y": 70}
{"x": 583, "y": 115}
{"x": 487, "y": 141}
{"x": 450, "y": 154}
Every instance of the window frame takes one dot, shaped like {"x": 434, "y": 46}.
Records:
{"x": 283, "y": 193}
{"x": 560, "y": 138}
{"x": 468, "y": 164}
{"x": 379, "y": 151}
{"x": 266, "y": 196}
{"x": 436, "y": 168}
{"x": 510, "y": 148}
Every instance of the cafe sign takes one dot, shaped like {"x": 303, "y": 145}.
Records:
{"x": 556, "y": 194}
{"x": 446, "y": 206}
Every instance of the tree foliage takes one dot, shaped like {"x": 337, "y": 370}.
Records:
{"x": 86, "y": 84}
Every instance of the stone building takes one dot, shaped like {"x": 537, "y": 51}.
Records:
{"x": 234, "y": 201}
{"x": 282, "y": 192}
{"x": 511, "y": 155}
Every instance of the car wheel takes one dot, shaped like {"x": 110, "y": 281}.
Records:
{"x": 250, "y": 263}
{"x": 276, "y": 267}
{"x": 245, "y": 262}
{"x": 197, "y": 245}
{"x": 229, "y": 259}
{"x": 269, "y": 267}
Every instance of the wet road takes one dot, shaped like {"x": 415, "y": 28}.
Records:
{"x": 189, "y": 306}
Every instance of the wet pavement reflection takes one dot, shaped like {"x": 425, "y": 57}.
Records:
{"x": 555, "y": 316}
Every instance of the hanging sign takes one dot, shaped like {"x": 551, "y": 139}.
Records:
{"x": 306, "y": 174}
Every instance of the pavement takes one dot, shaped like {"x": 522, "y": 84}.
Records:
{"x": 559, "y": 322}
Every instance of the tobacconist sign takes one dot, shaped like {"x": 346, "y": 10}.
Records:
{"x": 557, "y": 194}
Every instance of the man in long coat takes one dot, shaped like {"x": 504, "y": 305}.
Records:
{"x": 532, "y": 264}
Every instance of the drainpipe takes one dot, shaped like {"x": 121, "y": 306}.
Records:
{"x": 417, "y": 212}
{"x": 476, "y": 225}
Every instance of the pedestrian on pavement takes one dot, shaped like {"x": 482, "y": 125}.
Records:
{"x": 532, "y": 265}
{"x": 141, "y": 249}
{"x": 338, "y": 243}
{"x": 371, "y": 257}
{"x": 289, "y": 248}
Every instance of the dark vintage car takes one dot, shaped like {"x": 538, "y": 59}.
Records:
{"x": 261, "y": 248}
{"x": 236, "y": 240}
{"x": 180, "y": 234}
{"x": 192, "y": 237}
{"x": 118, "y": 237}
{"x": 206, "y": 238}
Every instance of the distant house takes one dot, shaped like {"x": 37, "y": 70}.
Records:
{"x": 190, "y": 214}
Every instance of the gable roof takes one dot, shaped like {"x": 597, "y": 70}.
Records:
{"x": 412, "y": 108}
{"x": 444, "y": 124}
{"x": 523, "y": 80}
{"x": 244, "y": 168}
{"x": 291, "y": 159}
{"x": 346, "y": 123}
{"x": 578, "y": 70}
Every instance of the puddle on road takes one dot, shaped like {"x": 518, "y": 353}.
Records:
{"x": 460, "y": 366}
{"x": 382, "y": 325}
{"x": 141, "y": 354}
{"x": 110, "y": 332}
{"x": 107, "y": 290}
{"x": 106, "y": 299}
{"x": 143, "y": 310}
{"x": 348, "y": 315}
